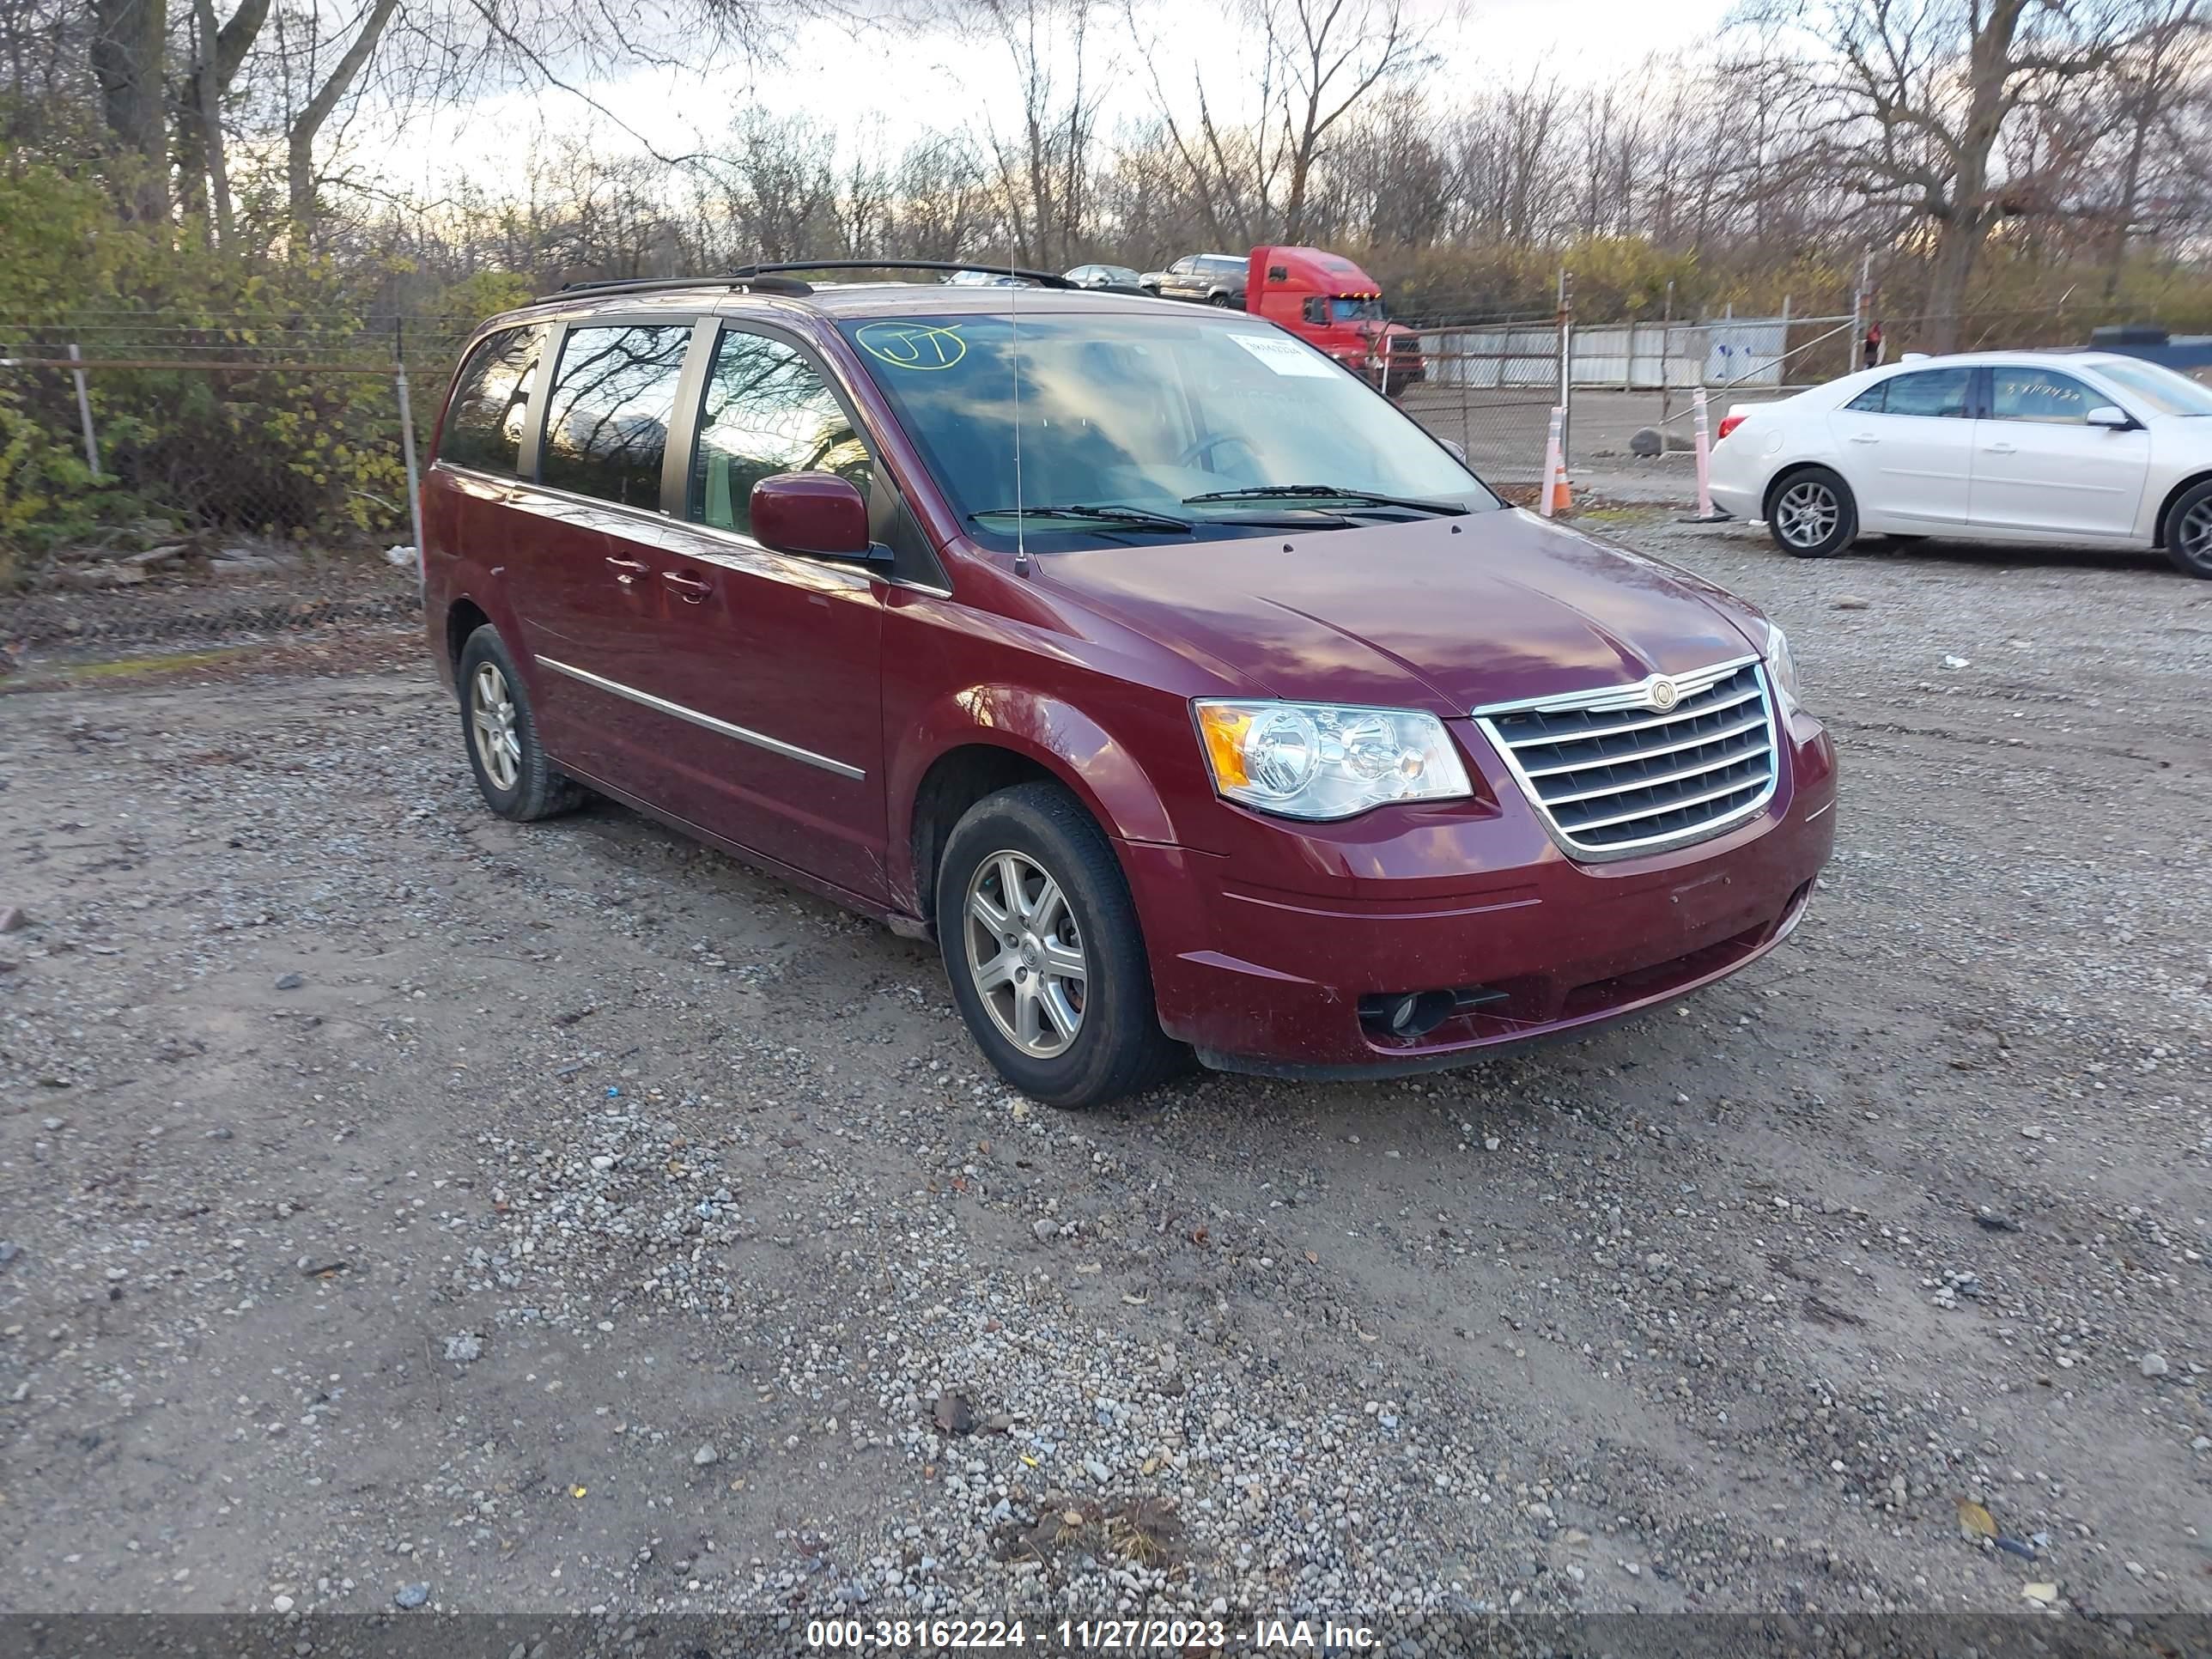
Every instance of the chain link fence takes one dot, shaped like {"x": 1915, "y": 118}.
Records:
{"x": 130, "y": 445}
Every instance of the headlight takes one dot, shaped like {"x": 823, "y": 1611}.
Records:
{"x": 1782, "y": 667}
{"x": 1316, "y": 760}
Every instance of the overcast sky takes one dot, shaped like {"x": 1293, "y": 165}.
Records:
{"x": 902, "y": 85}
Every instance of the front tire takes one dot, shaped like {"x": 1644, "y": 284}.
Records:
{"x": 1043, "y": 947}
{"x": 1810, "y": 513}
{"x": 2189, "y": 531}
{"x": 516, "y": 779}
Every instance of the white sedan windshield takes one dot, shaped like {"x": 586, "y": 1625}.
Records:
{"x": 2166, "y": 391}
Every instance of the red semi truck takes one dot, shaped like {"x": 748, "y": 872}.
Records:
{"x": 1325, "y": 298}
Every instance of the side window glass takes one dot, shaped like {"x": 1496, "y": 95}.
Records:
{"x": 1870, "y": 401}
{"x": 607, "y": 416}
{"x": 491, "y": 403}
{"x": 767, "y": 410}
{"x": 1930, "y": 392}
{"x": 1316, "y": 309}
{"x": 2037, "y": 394}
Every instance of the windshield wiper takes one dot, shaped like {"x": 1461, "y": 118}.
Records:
{"x": 1322, "y": 493}
{"x": 1135, "y": 517}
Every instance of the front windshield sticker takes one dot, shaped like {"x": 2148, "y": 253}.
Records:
{"x": 1283, "y": 356}
{"x": 911, "y": 345}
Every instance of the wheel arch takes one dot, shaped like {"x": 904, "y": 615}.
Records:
{"x": 987, "y": 738}
{"x": 2172, "y": 498}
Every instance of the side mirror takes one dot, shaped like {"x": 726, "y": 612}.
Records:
{"x": 2110, "y": 416}
{"x": 1458, "y": 450}
{"x": 816, "y": 514}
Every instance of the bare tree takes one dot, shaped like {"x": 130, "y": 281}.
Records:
{"x": 1330, "y": 54}
{"x": 1920, "y": 95}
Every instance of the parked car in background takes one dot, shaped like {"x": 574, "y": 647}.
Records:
{"x": 2087, "y": 449}
{"x": 982, "y": 277}
{"x": 1193, "y": 698}
{"x": 1332, "y": 305}
{"x": 1103, "y": 277}
{"x": 1149, "y": 281}
{"x": 1213, "y": 279}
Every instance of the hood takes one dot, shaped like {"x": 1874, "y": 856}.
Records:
{"x": 1413, "y": 614}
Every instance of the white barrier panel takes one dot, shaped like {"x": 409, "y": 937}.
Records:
{"x": 1551, "y": 484}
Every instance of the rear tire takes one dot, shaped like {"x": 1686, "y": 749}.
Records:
{"x": 2189, "y": 531}
{"x": 500, "y": 729}
{"x": 1043, "y": 950}
{"x": 1220, "y": 299}
{"x": 1810, "y": 514}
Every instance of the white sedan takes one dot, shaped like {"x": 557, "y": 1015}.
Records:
{"x": 2084, "y": 448}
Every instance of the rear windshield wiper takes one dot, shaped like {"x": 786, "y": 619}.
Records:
{"x": 1135, "y": 517}
{"x": 1322, "y": 493}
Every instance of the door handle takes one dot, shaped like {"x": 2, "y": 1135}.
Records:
{"x": 629, "y": 569}
{"x": 693, "y": 589}
{"x": 2000, "y": 449}
{"x": 1864, "y": 438}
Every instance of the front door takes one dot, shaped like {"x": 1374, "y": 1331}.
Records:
{"x": 767, "y": 664}
{"x": 1906, "y": 446}
{"x": 2041, "y": 467}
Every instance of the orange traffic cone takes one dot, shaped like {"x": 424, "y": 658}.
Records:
{"x": 1562, "y": 494}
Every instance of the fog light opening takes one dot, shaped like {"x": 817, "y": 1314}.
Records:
{"x": 1407, "y": 1015}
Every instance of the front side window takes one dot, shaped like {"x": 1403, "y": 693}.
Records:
{"x": 2038, "y": 395}
{"x": 491, "y": 403}
{"x": 607, "y": 416}
{"x": 1316, "y": 310}
{"x": 767, "y": 410}
{"x": 1171, "y": 421}
{"x": 1873, "y": 401}
{"x": 1938, "y": 392}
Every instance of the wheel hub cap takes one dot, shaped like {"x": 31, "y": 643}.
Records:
{"x": 1024, "y": 954}
{"x": 492, "y": 720}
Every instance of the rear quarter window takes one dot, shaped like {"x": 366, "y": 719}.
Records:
{"x": 490, "y": 404}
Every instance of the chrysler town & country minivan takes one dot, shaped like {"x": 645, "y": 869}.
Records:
{"x": 1191, "y": 698}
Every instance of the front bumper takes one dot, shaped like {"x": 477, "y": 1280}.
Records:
{"x": 1262, "y": 979}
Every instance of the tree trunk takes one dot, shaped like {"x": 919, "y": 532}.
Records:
{"x": 1957, "y": 245}
{"x": 129, "y": 37}
{"x": 307, "y": 125}
{"x": 203, "y": 170}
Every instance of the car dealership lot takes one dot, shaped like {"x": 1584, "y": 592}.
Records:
{"x": 593, "y": 1222}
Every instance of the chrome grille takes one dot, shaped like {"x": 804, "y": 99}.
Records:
{"x": 1631, "y": 768}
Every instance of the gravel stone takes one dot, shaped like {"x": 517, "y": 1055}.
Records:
{"x": 1340, "y": 1357}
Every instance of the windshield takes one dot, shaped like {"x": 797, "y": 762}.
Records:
{"x": 1356, "y": 311}
{"x": 2166, "y": 391}
{"x": 1142, "y": 414}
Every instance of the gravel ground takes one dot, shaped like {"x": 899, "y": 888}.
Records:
{"x": 405, "y": 1205}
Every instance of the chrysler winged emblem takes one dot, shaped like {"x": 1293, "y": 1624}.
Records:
{"x": 1662, "y": 696}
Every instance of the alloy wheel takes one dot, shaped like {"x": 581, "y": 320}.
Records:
{"x": 492, "y": 713}
{"x": 1805, "y": 515}
{"x": 2193, "y": 535}
{"x": 1024, "y": 952}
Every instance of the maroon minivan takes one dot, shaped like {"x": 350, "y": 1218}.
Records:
{"x": 1190, "y": 694}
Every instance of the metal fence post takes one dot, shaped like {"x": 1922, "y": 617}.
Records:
{"x": 407, "y": 451}
{"x": 84, "y": 412}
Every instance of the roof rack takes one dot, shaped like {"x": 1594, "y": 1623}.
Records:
{"x": 748, "y": 278}
{"x": 1042, "y": 278}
